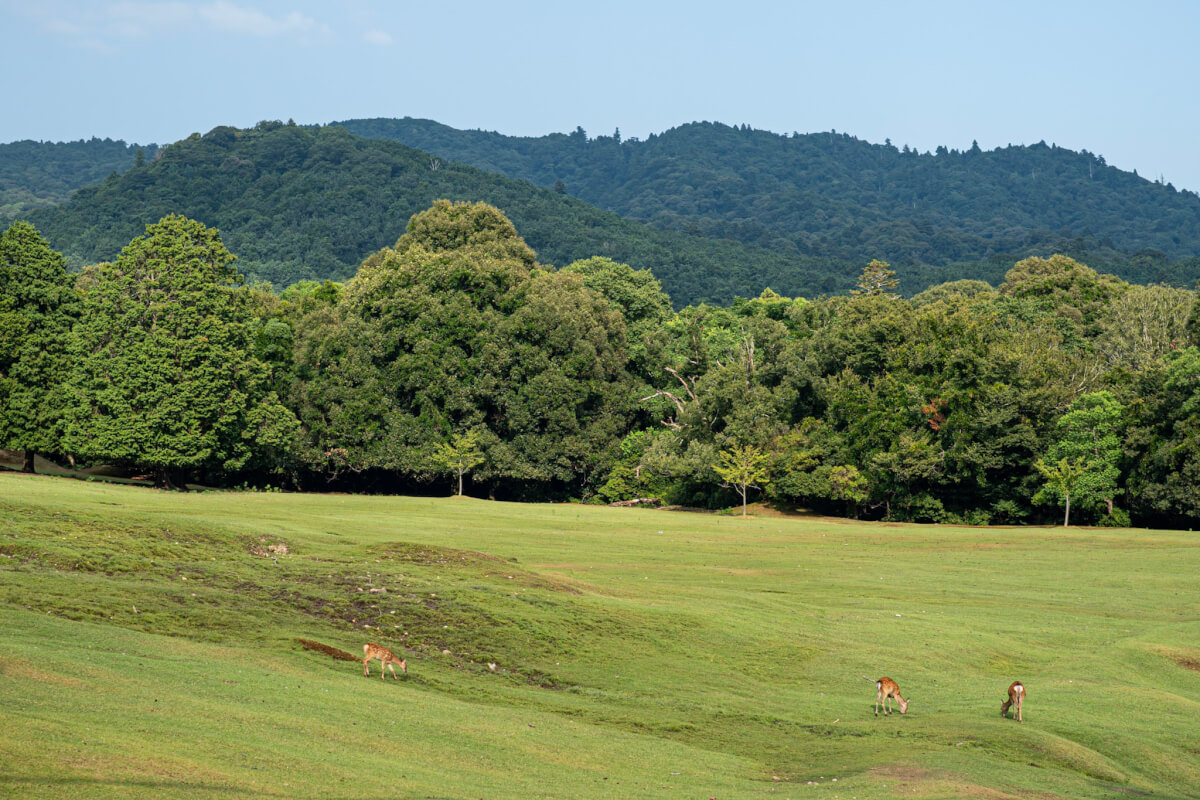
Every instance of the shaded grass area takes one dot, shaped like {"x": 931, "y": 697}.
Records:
{"x": 727, "y": 650}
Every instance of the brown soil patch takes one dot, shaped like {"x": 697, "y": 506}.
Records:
{"x": 23, "y": 670}
{"x": 332, "y": 652}
{"x": 1188, "y": 663}
{"x": 911, "y": 781}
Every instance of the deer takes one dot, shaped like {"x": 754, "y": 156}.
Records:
{"x": 886, "y": 689}
{"x": 1016, "y": 697}
{"x": 373, "y": 650}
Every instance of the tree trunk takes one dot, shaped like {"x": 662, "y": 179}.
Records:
{"x": 1067, "y": 516}
{"x": 167, "y": 481}
{"x": 28, "y": 466}
{"x": 460, "y": 473}
{"x": 744, "y": 490}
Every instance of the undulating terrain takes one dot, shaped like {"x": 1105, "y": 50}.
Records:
{"x": 152, "y": 647}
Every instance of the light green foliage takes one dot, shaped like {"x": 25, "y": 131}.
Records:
{"x": 1090, "y": 435}
{"x": 1066, "y": 287}
{"x": 742, "y": 467}
{"x": 1061, "y": 479}
{"x": 459, "y": 455}
{"x": 878, "y": 279}
{"x": 37, "y": 307}
{"x": 164, "y": 375}
{"x": 1142, "y": 325}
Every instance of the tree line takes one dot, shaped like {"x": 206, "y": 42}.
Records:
{"x": 454, "y": 360}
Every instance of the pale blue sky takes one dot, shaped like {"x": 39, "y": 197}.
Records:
{"x": 1118, "y": 79}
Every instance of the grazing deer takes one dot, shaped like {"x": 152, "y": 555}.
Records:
{"x": 886, "y": 689}
{"x": 373, "y": 650}
{"x": 1016, "y": 697}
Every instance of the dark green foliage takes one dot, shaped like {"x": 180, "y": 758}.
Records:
{"x": 454, "y": 329}
{"x": 42, "y": 174}
{"x": 164, "y": 374}
{"x": 298, "y": 203}
{"x": 936, "y": 217}
{"x": 37, "y": 309}
{"x": 455, "y": 350}
{"x": 1163, "y": 442}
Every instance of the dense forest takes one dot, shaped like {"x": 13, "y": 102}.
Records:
{"x": 310, "y": 203}
{"x": 453, "y": 357}
{"x": 42, "y": 174}
{"x": 969, "y": 214}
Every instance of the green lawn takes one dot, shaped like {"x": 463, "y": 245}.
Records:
{"x": 637, "y": 653}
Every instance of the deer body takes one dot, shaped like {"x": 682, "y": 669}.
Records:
{"x": 386, "y": 658}
{"x": 885, "y": 690}
{"x": 1016, "y": 697}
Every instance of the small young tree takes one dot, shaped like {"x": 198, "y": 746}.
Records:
{"x": 459, "y": 455}
{"x": 741, "y": 468}
{"x": 1091, "y": 433}
{"x": 1062, "y": 478}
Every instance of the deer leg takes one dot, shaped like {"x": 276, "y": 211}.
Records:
{"x": 366, "y": 669}
{"x": 1020, "y": 701}
{"x": 878, "y": 695}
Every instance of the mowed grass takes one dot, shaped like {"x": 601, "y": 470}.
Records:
{"x": 149, "y": 647}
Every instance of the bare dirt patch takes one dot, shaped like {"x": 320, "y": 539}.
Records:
{"x": 325, "y": 649}
{"x": 1188, "y": 662}
{"x": 910, "y": 781}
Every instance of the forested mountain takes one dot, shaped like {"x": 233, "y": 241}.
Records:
{"x": 299, "y": 202}
{"x": 834, "y": 196}
{"x": 39, "y": 174}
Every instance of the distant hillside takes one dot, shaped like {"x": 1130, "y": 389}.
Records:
{"x": 302, "y": 202}
{"x": 830, "y": 195}
{"x": 41, "y": 174}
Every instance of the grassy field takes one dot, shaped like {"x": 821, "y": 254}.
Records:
{"x": 149, "y": 646}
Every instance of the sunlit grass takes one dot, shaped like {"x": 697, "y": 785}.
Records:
{"x": 571, "y": 651}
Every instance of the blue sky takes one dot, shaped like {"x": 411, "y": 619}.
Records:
{"x": 1117, "y": 79}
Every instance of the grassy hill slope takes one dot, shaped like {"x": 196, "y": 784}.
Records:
{"x": 151, "y": 649}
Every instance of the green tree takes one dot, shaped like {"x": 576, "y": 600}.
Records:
{"x": 455, "y": 328}
{"x": 1062, "y": 478}
{"x": 165, "y": 377}
{"x": 877, "y": 279}
{"x": 37, "y": 307}
{"x": 459, "y": 455}
{"x": 1090, "y": 433}
{"x": 742, "y": 467}
{"x": 1164, "y": 485}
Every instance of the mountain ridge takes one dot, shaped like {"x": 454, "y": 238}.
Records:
{"x": 833, "y": 195}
